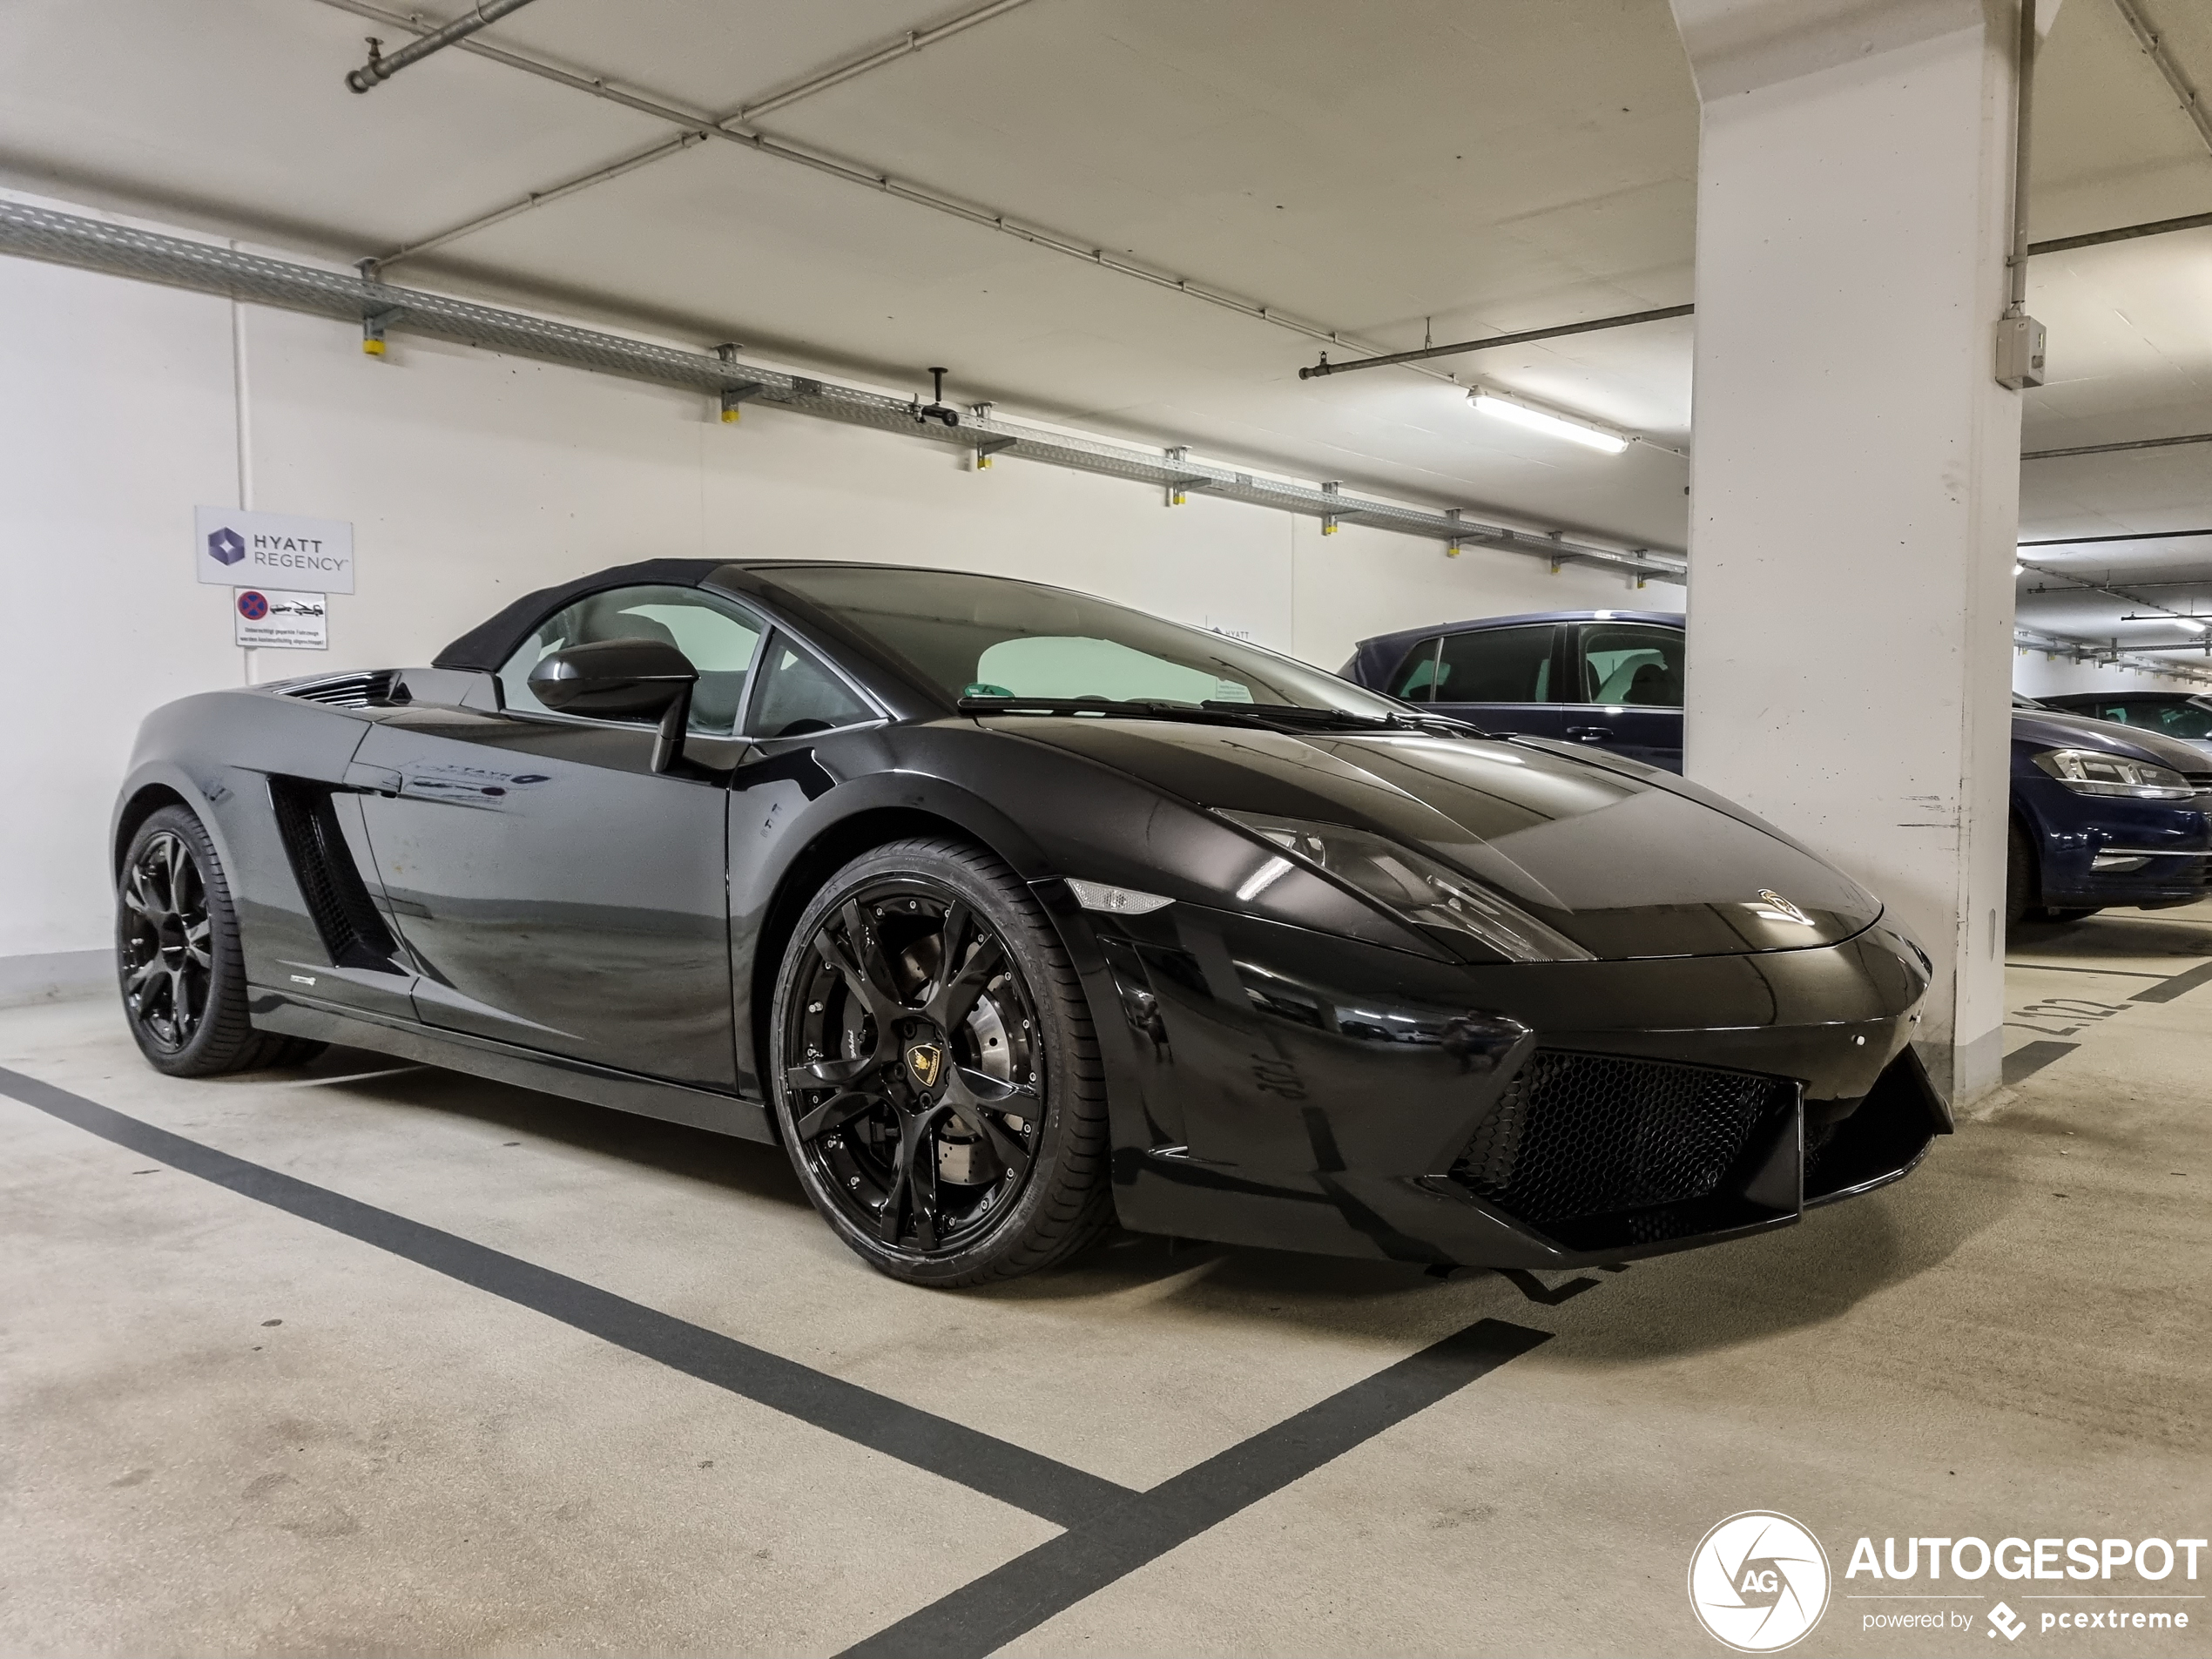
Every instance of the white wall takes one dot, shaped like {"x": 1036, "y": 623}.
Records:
{"x": 470, "y": 478}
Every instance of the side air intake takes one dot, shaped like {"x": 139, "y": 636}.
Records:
{"x": 353, "y": 930}
{"x": 358, "y": 691}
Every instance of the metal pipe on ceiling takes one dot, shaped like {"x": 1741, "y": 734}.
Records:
{"x": 380, "y": 68}
{"x": 2131, "y": 535}
{"x": 2116, "y": 448}
{"x": 2155, "y": 44}
{"x": 912, "y": 41}
{"x": 2109, "y": 592}
{"x": 1325, "y": 367}
{"x": 883, "y": 183}
{"x": 96, "y": 245}
{"x": 2058, "y": 244}
{"x": 2124, "y": 233}
{"x": 2067, "y": 646}
{"x": 2023, "y": 129}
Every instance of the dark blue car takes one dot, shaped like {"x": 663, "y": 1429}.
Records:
{"x": 2103, "y": 815}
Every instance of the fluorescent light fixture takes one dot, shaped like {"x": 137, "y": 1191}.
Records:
{"x": 1558, "y": 425}
{"x": 2191, "y": 624}
{"x": 2017, "y": 568}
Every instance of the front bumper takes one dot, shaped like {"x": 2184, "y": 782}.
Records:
{"x": 2095, "y": 852}
{"x": 1275, "y": 1087}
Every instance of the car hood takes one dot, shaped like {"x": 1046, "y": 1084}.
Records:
{"x": 2055, "y": 729}
{"x": 1625, "y": 861}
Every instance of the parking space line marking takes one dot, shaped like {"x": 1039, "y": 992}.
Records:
{"x": 2167, "y": 989}
{"x": 1011, "y": 1475}
{"x": 2062, "y": 967}
{"x": 1017, "y": 1597}
{"x": 2031, "y": 1057}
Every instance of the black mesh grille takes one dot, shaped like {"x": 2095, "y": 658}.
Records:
{"x": 352, "y": 928}
{"x": 1585, "y": 1134}
{"x": 349, "y": 691}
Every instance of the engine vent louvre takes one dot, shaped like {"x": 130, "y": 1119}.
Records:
{"x": 352, "y": 929}
{"x": 1578, "y": 1134}
{"x": 357, "y": 690}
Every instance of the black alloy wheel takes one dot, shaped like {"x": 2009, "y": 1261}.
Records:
{"x": 938, "y": 1085}
{"x": 167, "y": 944}
{"x": 177, "y": 955}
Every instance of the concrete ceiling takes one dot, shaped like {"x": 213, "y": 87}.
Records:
{"x": 1469, "y": 165}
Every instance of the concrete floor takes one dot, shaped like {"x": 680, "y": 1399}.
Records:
{"x": 227, "y": 1428}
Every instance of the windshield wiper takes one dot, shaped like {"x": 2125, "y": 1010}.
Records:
{"x": 1300, "y": 716}
{"x": 1123, "y": 708}
{"x": 1267, "y": 716}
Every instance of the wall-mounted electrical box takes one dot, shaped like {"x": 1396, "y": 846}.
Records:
{"x": 2019, "y": 352}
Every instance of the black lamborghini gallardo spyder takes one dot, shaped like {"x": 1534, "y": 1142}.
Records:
{"x": 1009, "y": 912}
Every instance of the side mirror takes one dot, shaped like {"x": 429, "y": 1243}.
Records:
{"x": 623, "y": 679}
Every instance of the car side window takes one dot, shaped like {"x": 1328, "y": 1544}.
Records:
{"x": 1496, "y": 665}
{"x": 718, "y": 637}
{"x": 1415, "y": 680}
{"x": 2188, "y": 720}
{"x": 1631, "y": 664}
{"x": 796, "y": 695}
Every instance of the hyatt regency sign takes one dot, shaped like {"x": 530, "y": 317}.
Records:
{"x": 232, "y": 548}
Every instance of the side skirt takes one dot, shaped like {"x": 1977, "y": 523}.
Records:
{"x": 625, "y": 1091}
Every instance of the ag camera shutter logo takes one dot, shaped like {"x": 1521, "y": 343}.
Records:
{"x": 1758, "y": 1582}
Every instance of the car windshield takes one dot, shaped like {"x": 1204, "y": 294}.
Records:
{"x": 988, "y": 637}
{"x": 2189, "y": 720}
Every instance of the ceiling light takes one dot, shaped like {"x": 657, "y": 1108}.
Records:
{"x": 1558, "y": 425}
{"x": 2019, "y": 568}
{"x": 2191, "y": 624}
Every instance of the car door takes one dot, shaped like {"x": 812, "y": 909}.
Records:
{"x": 1624, "y": 683}
{"x": 797, "y": 705}
{"x": 558, "y": 892}
{"x": 1499, "y": 679}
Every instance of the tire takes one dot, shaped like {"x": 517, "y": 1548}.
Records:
{"x": 935, "y": 1077}
{"x": 177, "y": 960}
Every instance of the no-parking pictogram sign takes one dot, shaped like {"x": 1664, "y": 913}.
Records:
{"x": 285, "y": 621}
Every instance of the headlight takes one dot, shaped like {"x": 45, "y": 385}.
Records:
{"x": 2086, "y": 772}
{"x": 1410, "y": 884}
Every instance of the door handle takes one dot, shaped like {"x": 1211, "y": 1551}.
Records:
{"x": 1590, "y": 734}
{"x": 372, "y": 780}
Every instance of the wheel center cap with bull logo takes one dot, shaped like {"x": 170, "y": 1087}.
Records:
{"x": 926, "y": 1060}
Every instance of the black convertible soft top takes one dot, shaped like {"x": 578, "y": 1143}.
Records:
{"x": 490, "y": 643}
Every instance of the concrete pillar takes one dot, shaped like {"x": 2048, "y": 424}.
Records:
{"x": 1855, "y": 465}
